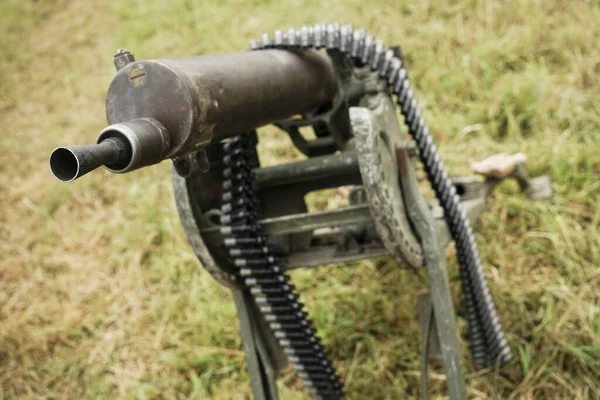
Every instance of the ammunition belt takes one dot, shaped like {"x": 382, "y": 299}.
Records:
{"x": 259, "y": 268}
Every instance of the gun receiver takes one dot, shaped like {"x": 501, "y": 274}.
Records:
{"x": 173, "y": 108}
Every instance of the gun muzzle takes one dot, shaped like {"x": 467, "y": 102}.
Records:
{"x": 120, "y": 148}
{"x": 69, "y": 163}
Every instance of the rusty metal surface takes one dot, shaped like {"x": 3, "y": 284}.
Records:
{"x": 196, "y": 98}
{"x": 377, "y": 133}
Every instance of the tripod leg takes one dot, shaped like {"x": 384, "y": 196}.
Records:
{"x": 426, "y": 321}
{"x": 435, "y": 262}
{"x": 260, "y": 369}
{"x": 445, "y": 322}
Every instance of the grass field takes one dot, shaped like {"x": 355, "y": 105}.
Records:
{"x": 101, "y": 296}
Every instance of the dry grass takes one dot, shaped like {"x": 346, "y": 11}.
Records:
{"x": 100, "y": 296}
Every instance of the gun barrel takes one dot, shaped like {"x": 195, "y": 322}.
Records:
{"x": 169, "y": 108}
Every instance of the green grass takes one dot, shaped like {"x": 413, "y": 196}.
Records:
{"x": 101, "y": 296}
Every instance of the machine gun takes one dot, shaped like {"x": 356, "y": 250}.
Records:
{"x": 249, "y": 225}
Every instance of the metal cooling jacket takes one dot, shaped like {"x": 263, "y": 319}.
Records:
{"x": 259, "y": 268}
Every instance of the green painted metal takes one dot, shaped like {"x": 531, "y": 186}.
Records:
{"x": 374, "y": 125}
{"x": 260, "y": 367}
